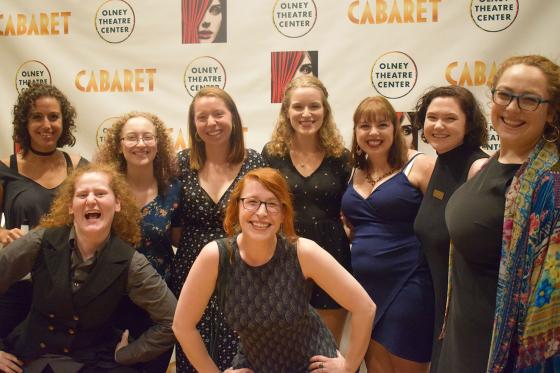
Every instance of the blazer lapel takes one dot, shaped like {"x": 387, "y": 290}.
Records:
{"x": 56, "y": 252}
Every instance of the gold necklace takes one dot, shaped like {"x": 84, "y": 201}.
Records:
{"x": 374, "y": 180}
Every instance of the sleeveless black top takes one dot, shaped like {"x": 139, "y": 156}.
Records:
{"x": 25, "y": 199}
{"x": 268, "y": 306}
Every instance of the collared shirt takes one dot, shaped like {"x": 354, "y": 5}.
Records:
{"x": 80, "y": 268}
{"x": 144, "y": 286}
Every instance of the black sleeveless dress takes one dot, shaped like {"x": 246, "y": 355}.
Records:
{"x": 268, "y": 307}
{"x": 450, "y": 172}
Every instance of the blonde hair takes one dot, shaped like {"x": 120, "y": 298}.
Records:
{"x": 282, "y": 136}
{"x": 165, "y": 162}
{"x": 126, "y": 222}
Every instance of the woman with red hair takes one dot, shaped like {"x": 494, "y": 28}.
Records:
{"x": 269, "y": 274}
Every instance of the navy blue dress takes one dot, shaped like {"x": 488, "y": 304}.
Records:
{"x": 388, "y": 263}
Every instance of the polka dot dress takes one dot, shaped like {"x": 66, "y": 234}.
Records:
{"x": 201, "y": 220}
{"x": 316, "y": 201}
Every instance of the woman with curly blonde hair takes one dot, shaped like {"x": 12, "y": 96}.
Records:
{"x": 140, "y": 146}
{"x": 308, "y": 150}
{"x": 82, "y": 266}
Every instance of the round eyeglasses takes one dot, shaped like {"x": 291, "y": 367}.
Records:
{"x": 133, "y": 140}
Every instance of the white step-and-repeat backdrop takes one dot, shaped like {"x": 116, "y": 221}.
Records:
{"x": 113, "y": 56}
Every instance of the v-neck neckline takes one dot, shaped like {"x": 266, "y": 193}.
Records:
{"x": 312, "y": 173}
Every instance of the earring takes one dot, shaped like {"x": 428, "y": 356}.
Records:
{"x": 359, "y": 151}
{"x": 423, "y": 137}
{"x": 552, "y": 136}
{"x": 197, "y": 137}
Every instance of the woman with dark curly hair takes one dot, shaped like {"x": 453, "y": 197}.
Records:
{"x": 43, "y": 122}
{"x": 454, "y": 125}
{"x": 308, "y": 149}
{"x": 141, "y": 148}
{"x": 82, "y": 264}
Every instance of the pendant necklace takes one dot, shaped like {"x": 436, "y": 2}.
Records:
{"x": 374, "y": 180}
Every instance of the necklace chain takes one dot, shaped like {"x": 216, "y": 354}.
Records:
{"x": 374, "y": 180}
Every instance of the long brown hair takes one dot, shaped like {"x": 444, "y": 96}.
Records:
{"x": 236, "y": 142}
{"x": 373, "y": 109}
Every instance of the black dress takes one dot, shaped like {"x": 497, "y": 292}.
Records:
{"x": 316, "y": 200}
{"x": 450, "y": 172}
{"x": 202, "y": 222}
{"x": 268, "y": 305}
{"x": 25, "y": 201}
{"x": 474, "y": 217}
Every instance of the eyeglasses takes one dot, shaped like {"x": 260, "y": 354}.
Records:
{"x": 253, "y": 205}
{"x": 133, "y": 140}
{"x": 525, "y": 101}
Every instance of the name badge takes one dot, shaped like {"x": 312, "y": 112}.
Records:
{"x": 438, "y": 194}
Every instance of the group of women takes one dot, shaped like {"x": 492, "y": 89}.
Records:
{"x": 453, "y": 264}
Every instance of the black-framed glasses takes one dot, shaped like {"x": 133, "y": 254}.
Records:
{"x": 133, "y": 140}
{"x": 525, "y": 101}
{"x": 253, "y": 205}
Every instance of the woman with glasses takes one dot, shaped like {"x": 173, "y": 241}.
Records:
{"x": 308, "y": 149}
{"x": 454, "y": 125}
{"x": 209, "y": 170}
{"x": 505, "y": 228}
{"x": 139, "y": 145}
{"x": 29, "y": 179}
{"x": 269, "y": 274}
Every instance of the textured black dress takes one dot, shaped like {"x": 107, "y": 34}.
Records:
{"x": 268, "y": 306}
{"x": 202, "y": 222}
{"x": 450, "y": 172}
{"x": 316, "y": 200}
{"x": 474, "y": 217}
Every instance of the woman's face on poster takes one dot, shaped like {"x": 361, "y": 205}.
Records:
{"x": 406, "y": 129}
{"x": 305, "y": 67}
{"x": 211, "y": 23}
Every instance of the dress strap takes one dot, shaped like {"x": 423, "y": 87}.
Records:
{"x": 13, "y": 162}
{"x": 351, "y": 176}
{"x": 410, "y": 163}
{"x": 69, "y": 165}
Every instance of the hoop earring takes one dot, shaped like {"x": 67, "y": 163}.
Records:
{"x": 555, "y": 134}
{"x": 423, "y": 137}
